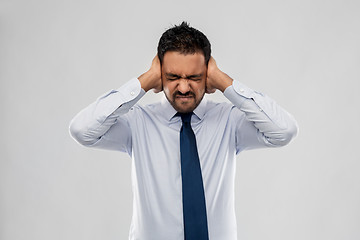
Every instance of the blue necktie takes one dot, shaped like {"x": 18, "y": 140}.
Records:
{"x": 194, "y": 206}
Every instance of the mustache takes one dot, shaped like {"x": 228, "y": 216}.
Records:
{"x": 187, "y": 94}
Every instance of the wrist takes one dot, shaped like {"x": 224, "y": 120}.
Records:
{"x": 147, "y": 79}
{"x": 223, "y": 81}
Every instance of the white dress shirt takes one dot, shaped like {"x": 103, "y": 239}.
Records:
{"x": 151, "y": 136}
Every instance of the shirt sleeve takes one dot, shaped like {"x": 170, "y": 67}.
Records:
{"x": 266, "y": 123}
{"x": 91, "y": 126}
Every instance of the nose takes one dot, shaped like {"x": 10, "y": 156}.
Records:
{"x": 184, "y": 86}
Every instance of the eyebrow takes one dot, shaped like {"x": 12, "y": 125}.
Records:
{"x": 177, "y": 76}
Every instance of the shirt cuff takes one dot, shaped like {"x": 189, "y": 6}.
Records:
{"x": 124, "y": 97}
{"x": 237, "y": 93}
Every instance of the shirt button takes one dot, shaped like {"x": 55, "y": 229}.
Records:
{"x": 260, "y": 109}
{"x": 132, "y": 93}
{"x": 242, "y": 90}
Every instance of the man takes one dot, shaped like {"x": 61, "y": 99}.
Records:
{"x": 183, "y": 148}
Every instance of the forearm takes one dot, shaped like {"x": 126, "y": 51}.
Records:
{"x": 276, "y": 126}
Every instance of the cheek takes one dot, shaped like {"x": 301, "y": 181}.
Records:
{"x": 199, "y": 88}
{"x": 168, "y": 90}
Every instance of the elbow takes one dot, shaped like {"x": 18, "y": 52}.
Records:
{"x": 290, "y": 133}
{"x": 285, "y": 136}
{"x": 80, "y": 134}
{"x": 77, "y": 132}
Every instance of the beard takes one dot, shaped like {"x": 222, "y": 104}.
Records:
{"x": 185, "y": 105}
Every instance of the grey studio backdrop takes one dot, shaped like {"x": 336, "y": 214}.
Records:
{"x": 56, "y": 57}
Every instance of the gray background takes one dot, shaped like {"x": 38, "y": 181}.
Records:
{"x": 56, "y": 57}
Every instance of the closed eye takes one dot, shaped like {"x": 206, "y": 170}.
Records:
{"x": 173, "y": 77}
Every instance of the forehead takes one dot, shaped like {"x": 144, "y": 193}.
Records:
{"x": 178, "y": 63}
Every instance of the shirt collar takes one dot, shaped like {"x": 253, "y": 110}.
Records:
{"x": 169, "y": 112}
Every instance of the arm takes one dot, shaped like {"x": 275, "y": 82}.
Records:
{"x": 104, "y": 123}
{"x": 266, "y": 123}
{"x": 90, "y": 127}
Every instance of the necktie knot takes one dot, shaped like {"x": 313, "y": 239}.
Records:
{"x": 185, "y": 117}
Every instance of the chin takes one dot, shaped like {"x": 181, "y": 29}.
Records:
{"x": 184, "y": 109}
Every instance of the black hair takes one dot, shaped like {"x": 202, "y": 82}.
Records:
{"x": 185, "y": 40}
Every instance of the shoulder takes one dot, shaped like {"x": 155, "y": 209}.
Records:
{"x": 148, "y": 108}
{"x": 223, "y": 111}
{"x": 218, "y": 107}
{"x": 141, "y": 113}
{"x": 211, "y": 105}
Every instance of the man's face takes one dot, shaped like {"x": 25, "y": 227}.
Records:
{"x": 184, "y": 79}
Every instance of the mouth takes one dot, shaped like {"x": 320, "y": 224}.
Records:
{"x": 184, "y": 97}
{"x": 188, "y": 95}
